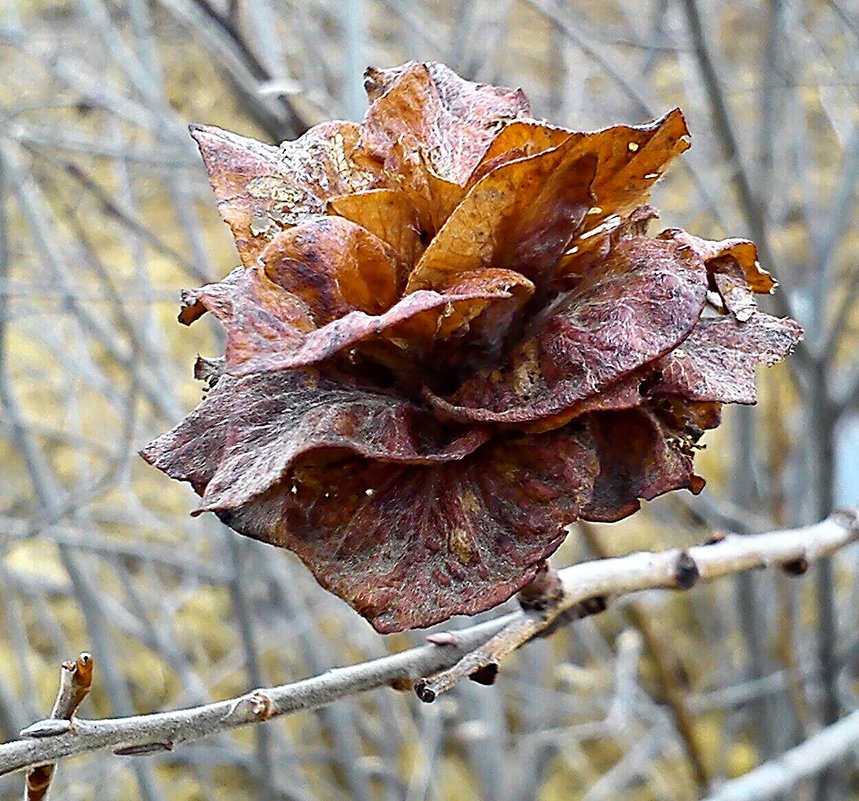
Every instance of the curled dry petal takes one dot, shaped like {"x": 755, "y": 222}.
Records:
{"x": 739, "y": 251}
{"x": 387, "y": 214}
{"x": 451, "y": 336}
{"x": 408, "y": 546}
{"x": 262, "y": 190}
{"x": 296, "y": 414}
{"x": 638, "y": 459}
{"x": 451, "y": 121}
{"x": 519, "y": 216}
{"x": 644, "y": 301}
{"x": 718, "y": 360}
{"x": 326, "y": 286}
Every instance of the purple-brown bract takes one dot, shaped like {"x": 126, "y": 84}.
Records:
{"x": 450, "y": 337}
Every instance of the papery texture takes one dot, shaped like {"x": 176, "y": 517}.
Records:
{"x": 450, "y": 337}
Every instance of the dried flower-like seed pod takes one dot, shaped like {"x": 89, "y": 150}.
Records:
{"x": 450, "y": 337}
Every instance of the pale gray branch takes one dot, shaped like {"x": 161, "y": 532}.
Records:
{"x": 604, "y": 578}
{"x": 808, "y": 759}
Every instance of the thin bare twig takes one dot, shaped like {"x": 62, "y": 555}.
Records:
{"x": 666, "y": 674}
{"x": 601, "y": 578}
{"x": 671, "y": 570}
{"x": 75, "y": 683}
{"x": 806, "y": 760}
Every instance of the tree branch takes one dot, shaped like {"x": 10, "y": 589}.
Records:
{"x": 604, "y": 578}
{"x": 780, "y": 775}
{"x": 75, "y": 683}
{"x": 670, "y": 683}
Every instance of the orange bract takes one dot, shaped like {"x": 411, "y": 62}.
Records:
{"x": 450, "y": 337}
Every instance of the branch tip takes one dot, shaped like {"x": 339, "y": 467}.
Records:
{"x": 847, "y": 517}
{"x": 75, "y": 683}
{"x": 424, "y": 691}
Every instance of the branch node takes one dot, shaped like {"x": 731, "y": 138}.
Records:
{"x": 591, "y": 606}
{"x": 686, "y": 572}
{"x": 260, "y": 703}
{"x": 49, "y": 727}
{"x": 543, "y": 591}
{"x": 798, "y": 567}
{"x": 442, "y": 638}
{"x": 542, "y": 602}
{"x": 262, "y": 706}
{"x": 424, "y": 691}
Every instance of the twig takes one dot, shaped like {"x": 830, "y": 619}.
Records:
{"x": 600, "y": 578}
{"x": 75, "y": 682}
{"x": 806, "y": 760}
{"x": 482, "y": 663}
{"x": 540, "y": 601}
{"x": 672, "y": 569}
{"x": 666, "y": 674}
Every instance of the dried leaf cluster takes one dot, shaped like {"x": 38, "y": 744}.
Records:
{"x": 450, "y": 336}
